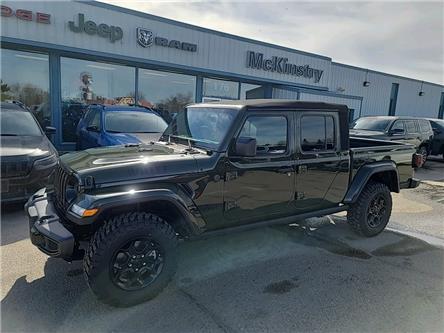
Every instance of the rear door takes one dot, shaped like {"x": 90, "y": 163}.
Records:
{"x": 261, "y": 187}
{"x": 322, "y": 167}
{"x": 413, "y": 134}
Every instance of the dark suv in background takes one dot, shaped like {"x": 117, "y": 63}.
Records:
{"x": 411, "y": 130}
{"x": 28, "y": 158}
{"x": 437, "y": 146}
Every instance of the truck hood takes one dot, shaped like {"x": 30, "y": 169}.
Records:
{"x": 25, "y": 146}
{"x": 122, "y": 163}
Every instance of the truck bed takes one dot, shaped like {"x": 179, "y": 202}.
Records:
{"x": 363, "y": 150}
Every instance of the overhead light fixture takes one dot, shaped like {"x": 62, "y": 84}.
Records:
{"x": 102, "y": 67}
{"x": 31, "y": 57}
{"x": 366, "y": 81}
{"x": 421, "y": 93}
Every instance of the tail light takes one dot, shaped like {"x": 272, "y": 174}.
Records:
{"x": 418, "y": 160}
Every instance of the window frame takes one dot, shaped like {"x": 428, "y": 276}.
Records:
{"x": 271, "y": 114}
{"x": 398, "y": 121}
{"x": 336, "y": 146}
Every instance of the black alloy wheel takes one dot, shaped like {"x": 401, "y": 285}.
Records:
{"x": 137, "y": 264}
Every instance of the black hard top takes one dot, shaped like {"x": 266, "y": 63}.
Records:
{"x": 276, "y": 104}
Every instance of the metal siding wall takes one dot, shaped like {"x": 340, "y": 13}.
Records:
{"x": 284, "y": 94}
{"x": 214, "y": 52}
{"x": 376, "y": 97}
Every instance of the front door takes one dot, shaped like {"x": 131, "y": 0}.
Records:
{"x": 261, "y": 187}
{"x": 322, "y": 167}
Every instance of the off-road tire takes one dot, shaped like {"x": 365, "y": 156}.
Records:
{"x": 110, "y": 238}
{"x": 357, "y": 214}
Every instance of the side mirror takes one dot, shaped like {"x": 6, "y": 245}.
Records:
{"x": 50, "y": 130}
{"x": 92, "y": 128}
{"x": 245, "y": 146}
{"x": 396, "y": 131}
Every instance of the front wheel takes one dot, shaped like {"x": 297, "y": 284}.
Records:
{"x": 131, "y": 258}
{"x": 369, "y": 215}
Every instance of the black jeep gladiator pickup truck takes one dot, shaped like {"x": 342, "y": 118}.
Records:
{"x": 218, "y": 166}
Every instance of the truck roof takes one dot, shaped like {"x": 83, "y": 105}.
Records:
{"x": 276, "y": 103}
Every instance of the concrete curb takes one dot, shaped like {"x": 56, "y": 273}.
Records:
{"x": 433, "y": 182}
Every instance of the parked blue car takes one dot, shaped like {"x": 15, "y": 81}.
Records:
{"x": 110, "y": 125}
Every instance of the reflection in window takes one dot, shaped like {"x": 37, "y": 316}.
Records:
{"x": 220, "y": 89}
{"x": 270, "y": 133}
{"x": 87, "y": 82}
{"x": 167, "y": 93}
{"x": 317, "y": 133}
{"x": 25, "y": 78}
{"x": 251, "y": 91}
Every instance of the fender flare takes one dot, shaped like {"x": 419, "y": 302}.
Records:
{"x": 365, "y": 173}
{"x": 192, "y": 221}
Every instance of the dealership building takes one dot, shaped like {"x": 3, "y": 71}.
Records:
{"x": 58, "y": 57}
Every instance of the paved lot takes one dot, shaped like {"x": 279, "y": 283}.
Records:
{"x": 316, "y": 276}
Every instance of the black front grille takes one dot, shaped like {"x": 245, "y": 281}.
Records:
{"x": 62, "y": 180}
{"x": 11, "y": 168}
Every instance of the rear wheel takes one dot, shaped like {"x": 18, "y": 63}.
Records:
{"x": 131, "y": 259}
{"x": 423, "y": 151}
{"x": 369, "y": 215}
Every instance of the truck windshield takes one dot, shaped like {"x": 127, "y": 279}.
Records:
{"x": 133, "y": 122}
{"x": 205, "y": 127}
{"x": 17, "y": 123}
{"x": 370, "y": 124}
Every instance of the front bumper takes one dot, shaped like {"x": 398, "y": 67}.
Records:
{"x": 46, "y": 230}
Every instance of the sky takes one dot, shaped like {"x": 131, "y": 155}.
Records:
{"x": 397, "y": 37}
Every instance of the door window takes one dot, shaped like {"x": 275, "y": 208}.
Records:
{"x": 318, "y": 133}
{"x": 410, "y": 125}
{"x": 398, "y": 125}
{"x": 270, "y": 133}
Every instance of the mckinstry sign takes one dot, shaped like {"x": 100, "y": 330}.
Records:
{"x": 281, "y": 65}
{"x": 110, "y": 32}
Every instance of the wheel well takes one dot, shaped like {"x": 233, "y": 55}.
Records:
{"x": 389, "y": 178}
{"x": 162, "y": 208}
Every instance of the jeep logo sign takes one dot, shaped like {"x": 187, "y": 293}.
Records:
{"x": 112, "y": 32}
{"x": 280, "y": 65}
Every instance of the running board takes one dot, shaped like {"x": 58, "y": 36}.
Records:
{"x": 282, "y": 220}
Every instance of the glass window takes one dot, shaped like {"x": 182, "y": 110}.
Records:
{"x": 398, "y": 125}
{"x": 270, "y": 133}
{"x": 371, "y": 124}
{"x": 25, "y": 78}
{"x": 220, "y": 89}
{"x": 410, "y": 125}
{"x": 18, "y": 123}
{"x": 95, "y": 119}
{"x": 425, "y": 126}
{"x": 317, "y": 133}
{"x": 167, "y": 93}
{"x": 86, "y": 82}
{"x": 134, "y": 122}
{"x": 251, "y": 91}
{"x": 207, "y": 127}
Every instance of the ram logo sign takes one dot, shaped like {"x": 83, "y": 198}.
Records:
{"x": 146, "y": 38}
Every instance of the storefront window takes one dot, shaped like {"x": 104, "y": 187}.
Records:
{"x": 25, "y": 78}
{"x": 167, "y": 93}
{"x": 250, "y": 91}
{"x": 220, "y": 89}
{"x": 87, "y": 82}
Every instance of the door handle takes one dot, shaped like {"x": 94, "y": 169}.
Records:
{"x": 285, "y": 170}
